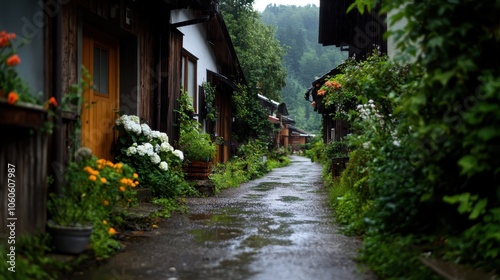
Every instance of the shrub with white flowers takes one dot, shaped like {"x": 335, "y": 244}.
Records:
{"x": 150, "y": 153}
{"x": 139, "y": 140}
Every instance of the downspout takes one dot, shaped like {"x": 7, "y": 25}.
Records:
{"x": 58, "y": 146}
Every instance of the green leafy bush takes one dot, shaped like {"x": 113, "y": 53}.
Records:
{"x": 395, "y": 257}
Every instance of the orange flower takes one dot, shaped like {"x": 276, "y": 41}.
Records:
{"x": 105, "y": 202}
{"x": 122, "y": 188}
{"x": 112, "y": 231}
{"x": 12, "y": 97}
{"x": 52, "y": 101}
{"x": 136, "y": 175}
{"x": 103, "y": 180}
{"x": 91, "y": 171}
{"x": 104, "y": 222}
{"x": 5, "y": 37}
{"x": 118, "y": 165}
{"x": 321, "y": 92}
{"x": 13, "y": 60}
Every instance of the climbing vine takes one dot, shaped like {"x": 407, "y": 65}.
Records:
{"x": 209, "y": 90}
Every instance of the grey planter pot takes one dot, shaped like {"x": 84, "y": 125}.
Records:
{"x": 72, "y": 240}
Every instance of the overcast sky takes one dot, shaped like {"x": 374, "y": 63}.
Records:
{"x": 260, "y": 5}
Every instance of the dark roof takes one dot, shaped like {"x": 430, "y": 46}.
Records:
{"x": 360, "y": 32}
{"x": 295, "y": 130}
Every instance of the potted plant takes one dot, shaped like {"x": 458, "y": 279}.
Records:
{"x": 90, "y": 188}
{"x": 71, "y": 210}
{"x": 197, "y": 146}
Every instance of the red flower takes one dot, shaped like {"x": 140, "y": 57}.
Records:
{"x": 12, "y": 97}
{"x": 13, "y": 60}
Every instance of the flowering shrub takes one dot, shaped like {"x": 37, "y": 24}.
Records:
{"x": 12, "y": 87}
{"x": 91, "y": 188}
{"x": 151, "y": 154}
{"x": 148, "y": 146}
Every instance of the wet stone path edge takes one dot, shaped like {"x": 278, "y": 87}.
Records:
{"x": 275, "y": 227}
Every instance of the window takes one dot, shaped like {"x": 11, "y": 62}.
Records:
{"x": 100, "y": 74}
{"x": 188, "y": 76}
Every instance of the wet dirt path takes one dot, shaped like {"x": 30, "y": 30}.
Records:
{"x": 276, "y": 227}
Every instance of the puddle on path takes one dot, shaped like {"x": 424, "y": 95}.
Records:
{"x": 235, "y": 268}
{"x": 259, "y": 241}
{"x": 264, "y": 187}
{"x": 284, "y": 214}
{"x": 287, "y": 198}
{"x": 215, "y": 234}
{"x": 253, "y": 196}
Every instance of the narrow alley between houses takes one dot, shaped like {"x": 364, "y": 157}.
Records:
{"x": 275, "y": 227}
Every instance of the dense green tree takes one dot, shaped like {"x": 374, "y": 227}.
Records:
{"x": 259, "y": 53}
{"x": 306, "y": 60}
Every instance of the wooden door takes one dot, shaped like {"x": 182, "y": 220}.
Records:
{"x": 100, "y": 57}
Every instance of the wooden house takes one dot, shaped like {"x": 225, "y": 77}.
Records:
{"x": 285, "y": 134}
{"x": 139, "y": 54}
{"x": 359, "y": 35}
{"x": 208, "y": 56}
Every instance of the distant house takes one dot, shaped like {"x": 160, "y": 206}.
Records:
{"x": 139, "y": 54}
{"x": 286, "y": 134}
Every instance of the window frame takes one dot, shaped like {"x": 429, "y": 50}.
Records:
{"x": 187, "y": 57}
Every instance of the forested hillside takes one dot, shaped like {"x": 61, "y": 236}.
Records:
{"x": 297, "y": 30}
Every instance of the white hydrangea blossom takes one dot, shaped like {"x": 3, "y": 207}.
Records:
{"x": 131, "y": 150}
{"x": 146, "y": 130}
{"x": 134, "y": 119}
{"x": 179, "y": 154}
{"x": 145, "y": 149}
{"x": 130, "y": 123}
{"x": 163, "y": 166}
{"x": 163, "y": 137}
{"x": 166, "y": 147}
{"x": 155, "y": 158}
{"x": 155, "y": 134}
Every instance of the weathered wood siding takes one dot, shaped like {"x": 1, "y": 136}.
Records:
{"x": 174, "y": 85}
{"x": 23, "y": 145}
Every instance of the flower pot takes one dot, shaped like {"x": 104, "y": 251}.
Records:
{"x": 72, "y": 240}
{"x": 199, "y": 170}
